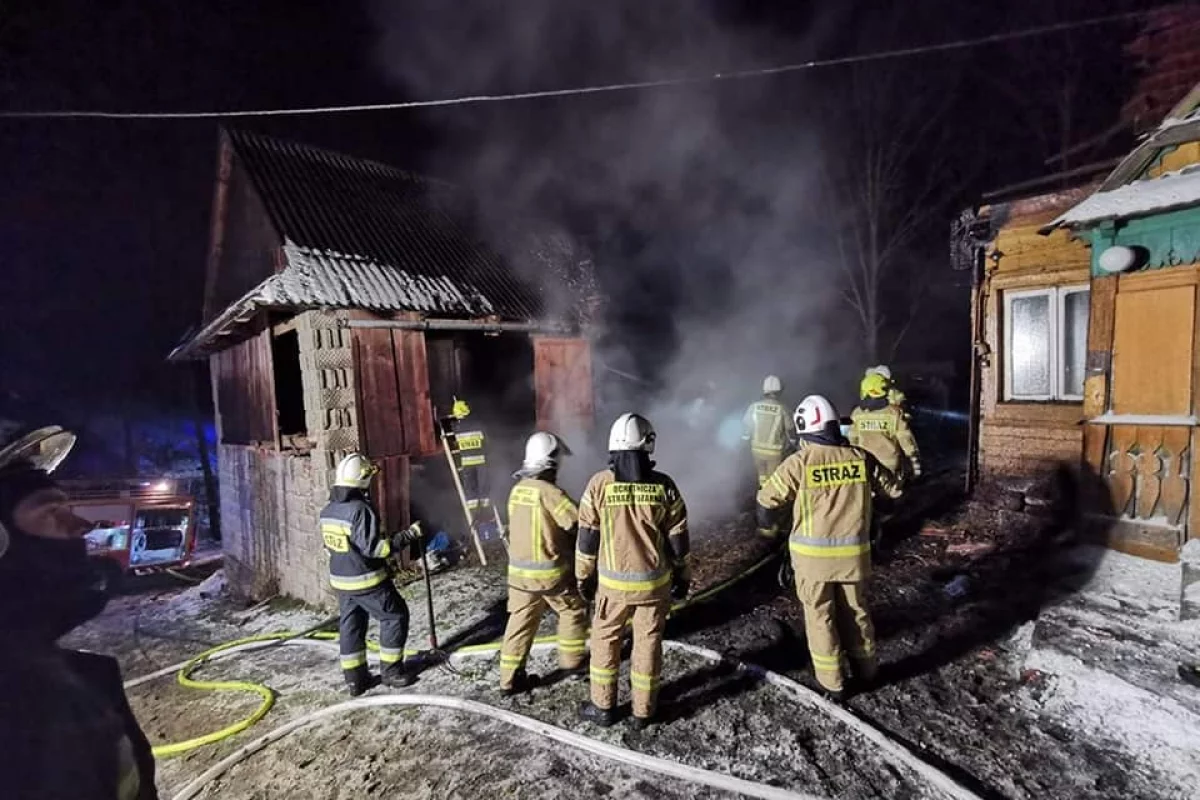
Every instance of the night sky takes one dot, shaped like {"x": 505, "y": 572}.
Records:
{"x": 104, "y": 224}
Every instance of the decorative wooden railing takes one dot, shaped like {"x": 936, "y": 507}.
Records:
{"x": 1147, "y": 471}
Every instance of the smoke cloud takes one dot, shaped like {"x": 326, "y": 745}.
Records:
{"x": 697, "y": 207}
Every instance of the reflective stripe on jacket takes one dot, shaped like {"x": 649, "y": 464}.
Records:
{"x": 765, "y": 423}
{"x": 357, "y": 549}
{"x": 541, "y": 538}
{"x": 885, "y": 434}
{"x": 633, "y": 535}
{"x": 829, "y": 487}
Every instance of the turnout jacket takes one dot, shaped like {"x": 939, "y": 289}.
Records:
{"x": 885, "y": 433}
{"x": 357, "y": 549}
{"x": 765, "y": 424}
{"x": 633, "y": 536}
{"x": 541, "y": 536}
{"x": 829, "y": 486}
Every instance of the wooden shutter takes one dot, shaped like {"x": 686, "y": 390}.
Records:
{"x": 1152, "y": 351}
{"x": 394, "y": 414}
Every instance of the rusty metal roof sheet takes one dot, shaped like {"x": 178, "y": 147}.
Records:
{"x": 360, "y": 234}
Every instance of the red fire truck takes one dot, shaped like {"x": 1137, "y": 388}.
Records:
{"x": 141, "y": 526}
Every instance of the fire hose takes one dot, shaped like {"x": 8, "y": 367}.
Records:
{"x": 894, "y": 751}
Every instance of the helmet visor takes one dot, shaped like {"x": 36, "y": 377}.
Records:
{"x": 44, "y": 448}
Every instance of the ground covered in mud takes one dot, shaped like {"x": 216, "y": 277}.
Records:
{"x": 957, "y": 686}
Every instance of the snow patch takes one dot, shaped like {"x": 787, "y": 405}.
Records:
{"x": 1161, "y": 731}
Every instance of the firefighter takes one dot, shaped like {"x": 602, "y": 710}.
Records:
{"x": 542, "y": 524}
{"x": 358, "y": 571}
{"x": 765, "y": 427}
{"x": 882, "y": 428}
{"x": 631, "y": 559}
{"x": 829, "y": 484}
{"x": 66, "y": 729}
{"x": 471, "y": 463}
{"x": 895, "y": 396}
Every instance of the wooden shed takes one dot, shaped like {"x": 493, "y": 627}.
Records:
{"x": 345, "y": 302}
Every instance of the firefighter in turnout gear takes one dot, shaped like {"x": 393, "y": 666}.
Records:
{"x": 358, "y": 571}
{"x": 66, "y": 729}
{"x": 882, "y": 429}
{"x": 632, "y": 559}
{"x": 829, "y": 485}
{"x": 542, "y": 525}
{"x": 765, "y": 427}
{"x": 470, "y": 448}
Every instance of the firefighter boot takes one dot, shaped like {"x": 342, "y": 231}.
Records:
{"x": 360, "y": 683}
{"x": 399, "y": 676}
{"x": 590, "y": 712}
{"x": 640, "y": 723}
{"x": 522, "y": 682}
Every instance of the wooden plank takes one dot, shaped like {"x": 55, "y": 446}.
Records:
{"x": 1032, "y": 414}
{"x": 1101, "y": 315}
{"x": 1152, "y": 356}
{"x": 1193, "y": 511}
{"x": 381, "y": 431}
{"x": 416, "y": 410}
{"x": 1175, "y": 443}
{"x": 392, "y": 487}
{"x": 1156, "y": 279}
{"x": 1038, "y": 278}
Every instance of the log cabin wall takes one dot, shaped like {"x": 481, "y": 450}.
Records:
{"x": 1021, "y": 440}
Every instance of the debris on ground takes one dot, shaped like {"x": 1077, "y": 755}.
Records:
{"x": 983, "y": 686}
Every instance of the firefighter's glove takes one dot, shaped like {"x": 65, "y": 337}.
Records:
{"x": 409, "y": 536}
{"x": 680, "y": 583}
{"x": 587, "y": 588}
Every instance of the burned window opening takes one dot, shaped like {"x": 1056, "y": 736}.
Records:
{"x": 289, "y": 385}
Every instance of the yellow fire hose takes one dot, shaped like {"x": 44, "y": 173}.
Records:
{"x": 267, "y": 696}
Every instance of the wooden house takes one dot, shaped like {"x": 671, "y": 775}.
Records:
{"x": 347, "y": 302}
{"x": 1030, "y": 316}
{"x": 1141, "y": 397}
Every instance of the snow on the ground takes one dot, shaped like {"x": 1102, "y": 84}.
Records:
{"x": 1110, "y": 652}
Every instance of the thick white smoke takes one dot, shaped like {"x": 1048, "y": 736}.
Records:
{"x": 698, "y": 205}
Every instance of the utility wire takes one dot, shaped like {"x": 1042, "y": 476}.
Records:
{"x": 905, "y": 52}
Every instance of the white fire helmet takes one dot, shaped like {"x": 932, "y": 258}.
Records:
{"x": 631, "y": 432}
{"x": 813, "y": 413}
{"x": 772, "y": 385}
{"x": 543, "y": 451}
{"x": 355, "y": 471}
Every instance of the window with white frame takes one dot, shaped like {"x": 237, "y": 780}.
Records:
{"x": 1045, "y": 343}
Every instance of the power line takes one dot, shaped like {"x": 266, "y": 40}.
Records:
{"x": 961, "y": 44}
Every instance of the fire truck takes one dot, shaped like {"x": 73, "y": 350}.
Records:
{"x": 140, "y": 526}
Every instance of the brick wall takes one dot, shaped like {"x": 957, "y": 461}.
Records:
{"x": 270, "y": 500}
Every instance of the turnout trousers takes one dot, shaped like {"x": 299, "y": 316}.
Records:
{"x": 645, "y": 664}
{"x": 765, "y": 463}
{"x": 385, "y": 604}
{"x": 837, "y": 623}
{"x": 525, "y": 611}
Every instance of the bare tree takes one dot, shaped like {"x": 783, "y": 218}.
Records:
{"x": 882, "y": 180}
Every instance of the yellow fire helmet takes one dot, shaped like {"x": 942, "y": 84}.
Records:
{"x": 874, "y": 385}
{"x": 460, "y": 409}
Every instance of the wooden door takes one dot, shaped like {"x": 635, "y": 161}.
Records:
{"x": 562, "y": 376}
{"x": 1141, "y": 405}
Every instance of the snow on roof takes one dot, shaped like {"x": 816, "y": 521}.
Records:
{"x": 1155, "y": 195}
{"x": 314, "y": 278}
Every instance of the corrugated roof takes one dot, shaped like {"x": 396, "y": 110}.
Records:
{"x": 360, "y": 234}
{"x": 1155, "y": 195}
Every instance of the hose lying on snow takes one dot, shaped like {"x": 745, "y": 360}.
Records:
{"x": 266, "y": 696}
{"x": 662, "y": 766}
{"x": 891, "y": 749}
{"x": 899, "y": 755}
